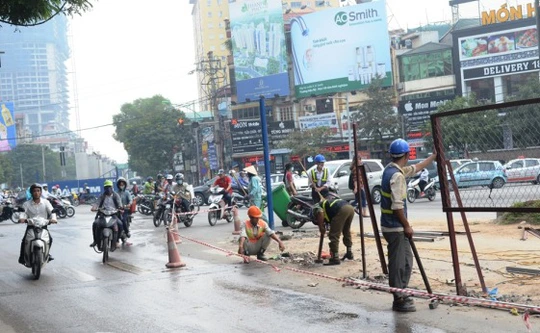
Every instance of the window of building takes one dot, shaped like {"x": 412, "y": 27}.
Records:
{"x": 484, "y": 89}
{"x": 210, "y": 25}
{"x": 438, "y": 93}
{"x": 247, "y": 113}
{"x": 296, "y": 4}
{"x": 212, "y": 48}
{"x": 220, "y": 14}
{"x": 286, "y": 113}
{"x": 209, "y": 3}
{"x": 426, "y": 65}
{"x": 209, "y": 14}
{"x": 512, "y": 83}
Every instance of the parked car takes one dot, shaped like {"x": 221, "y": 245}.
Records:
{"x": 340, "y": 171}
{"x": 523, "y": 170}
{"x": 202, "y": 192}
{"x": 480, "y": 173}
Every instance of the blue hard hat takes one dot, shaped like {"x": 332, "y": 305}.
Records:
{"x": 319, "y": 159}
{"x": 399, "y": 147}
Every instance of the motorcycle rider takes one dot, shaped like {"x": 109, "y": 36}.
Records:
{"x": 127, "y": 200}
{"x": 424, "y": 179}
{"x": 37, "y": 208}
{"x": 148, "y": 186}
{"x": 56, "y": 191}
{"x": 319, "y": 178}
{"x": 158, "y": 184}
{"x": 167, "y": 187}
{"x": 224, "y": 182}
{"x": 135, "y": 188}
{"x": 110, "y": 201}
{"x": 45, "y": 191}
{"x": 66, "y": 192}
{"x": 180, "y": 189}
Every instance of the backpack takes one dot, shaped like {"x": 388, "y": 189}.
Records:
{"x": 351, "y": 181}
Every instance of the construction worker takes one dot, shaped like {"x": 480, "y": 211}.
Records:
{"x": 395, "y": 225}
{"x": 319, "y": 178}
{"x": 339, "y": 214}
{"x": 258, "y": 235}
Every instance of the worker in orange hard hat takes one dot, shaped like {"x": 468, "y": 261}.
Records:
{"x": 258, "y": 235}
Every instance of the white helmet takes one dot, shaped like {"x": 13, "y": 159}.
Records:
{"x": 169, "y": 177}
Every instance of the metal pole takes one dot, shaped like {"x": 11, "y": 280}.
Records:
{"x": 359, "y": 204}
{"x": 197, "y": 153}
{"x": 536, "y": 11}
{"x": 43, "y": 161}
{"x": 347, "y": 112}
{"x": 266, "y": 155}
{"x": 22, "y": 179}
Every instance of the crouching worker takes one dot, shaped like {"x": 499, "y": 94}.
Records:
{"x": 255, "y": 236}
{"x": 339, "y": 214}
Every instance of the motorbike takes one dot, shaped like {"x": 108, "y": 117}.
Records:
{"x": 36, "y": 244}
{"x": 70, "y": 210}
{"x": 413, "y": 190}
{"x": 163, "y": 212}
{"x": 218, "y": 209}
{"x": 186, "y": 219}
{"x": 83, "y": 198}
{"x": 109, "y": 233}
{"x": 9, "y": 211}
{"x": 300, "y": 211}
{"x": 145, "y": 203}
{"x": 59, "y": 206}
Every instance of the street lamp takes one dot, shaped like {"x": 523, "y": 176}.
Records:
{"x": 349, "y": 127}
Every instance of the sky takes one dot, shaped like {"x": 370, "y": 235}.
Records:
{"x": 123, "y": 50}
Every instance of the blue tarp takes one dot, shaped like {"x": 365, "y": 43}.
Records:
{"x": 95, "y": 185}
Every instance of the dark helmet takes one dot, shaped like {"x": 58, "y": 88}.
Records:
{"x": 35, "y": 185}
{"x": 149, "y": 179}
{"x": 179, "y": 177}
{"x": 159, "y": 176}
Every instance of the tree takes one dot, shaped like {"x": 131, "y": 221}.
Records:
{"x": 309, "y": 142}
{"x": 29, "y": 158}
{"x": 149, "y": 130}
{"x": 522, "y": 121}
{"x": 5, "y": 168}
{"x": 477, "y": 131}
{"x": 27, "y": 13}
{"x": 377, "y": 119}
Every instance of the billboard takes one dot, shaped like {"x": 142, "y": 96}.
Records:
{"x": 8, "y": 132}
{"x": 494, "y": 51}
{"x": 340, "y": 49}
{"x": 258, "y": 47}
{"x": 418, "y": 110}
{"x": 321, "y": 120}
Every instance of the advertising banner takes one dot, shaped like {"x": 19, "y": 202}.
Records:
{"x": 321, "y": 120}
{"x": 8, "y": 132}
{"x": 486, "y": 52}
{"x": 212, "y": 156}
{"x": 258, "y": 46}
{"x": 279, "y": 131}
{"x": 341, "y": 49}
{"x": 418, "y": 111}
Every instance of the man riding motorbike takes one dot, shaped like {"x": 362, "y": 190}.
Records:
{"x": 110, "y": 201}
{"x": 158, "y": 184}
{"x": 148, "y": 186}
{"x": 181, "y": 190}
{"x": 36, "y": 208}
{"x": 225, "y": 182}
{"x": 167, "y": 187}
{"x": 127, "y": 200}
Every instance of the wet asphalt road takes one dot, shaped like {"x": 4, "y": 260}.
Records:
{"x": 214, "y": 293}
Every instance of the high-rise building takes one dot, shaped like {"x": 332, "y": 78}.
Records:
{"x": 33, "y": 75}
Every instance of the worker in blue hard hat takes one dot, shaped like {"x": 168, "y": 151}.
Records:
{"x": 319, "y": 178}
{"x": 395, "y": 224}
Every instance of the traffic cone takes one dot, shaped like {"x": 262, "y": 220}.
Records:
{"x": 237, "y": 221}
{"x": 175, "y": 233}
{"x": 174, "y": 256}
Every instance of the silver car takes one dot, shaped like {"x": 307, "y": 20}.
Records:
{"x": 340, "y": 170}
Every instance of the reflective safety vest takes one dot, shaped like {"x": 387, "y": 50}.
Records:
{"x": 249, "y": 231}
{"x": 388, "y": 218}
{"x": 331, "y": 207}
{"x": 314, "y": 176}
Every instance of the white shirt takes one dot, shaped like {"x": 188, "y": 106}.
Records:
{"x": 42, "y": 209}
{"x": 319, "y": 175}
{"x": 424, "y": 175}
{"x": 66, "y": 192}
{"x": 45, "y": 194}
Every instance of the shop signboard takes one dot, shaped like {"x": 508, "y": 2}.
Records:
{"x": 321, "y": 120}
{"x": 279, "y": 131}
{"x": 258, "y": 47}
{"x": 246, "y": 136}
{"x": 490, "y": 52}
{"x": 417, "y": 111}
{"x": 341, "y": 49}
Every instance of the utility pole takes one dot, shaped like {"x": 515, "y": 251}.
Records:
{"x": 43, "y": 161}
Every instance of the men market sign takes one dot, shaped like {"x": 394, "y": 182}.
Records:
{"x": 505, "y": 14}
{"x": 501, "y": 69}
{"x": 417, "y": 111}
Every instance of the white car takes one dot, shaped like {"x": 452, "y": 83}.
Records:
{"x": 340, "y": 171}
{"x": 523, "y": 170}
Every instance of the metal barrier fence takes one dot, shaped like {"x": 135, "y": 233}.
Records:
{"x": 494, "y": 155}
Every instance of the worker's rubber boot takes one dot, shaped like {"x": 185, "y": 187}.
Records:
{"x": 334, "y": 259}
{"x": 261, "y": 256}
{"x": 348, "y": 255}
{"x": 403, "y": 304}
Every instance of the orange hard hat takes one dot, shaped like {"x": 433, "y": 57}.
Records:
{"x": 254, "y": 211}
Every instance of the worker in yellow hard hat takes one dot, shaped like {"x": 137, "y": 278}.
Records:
{"x": 258, "y": 235}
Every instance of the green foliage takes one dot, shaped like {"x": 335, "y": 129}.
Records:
{"x": 477, "y": 131}
{"x": 377, "y": 119}
{"x": 523, "y": 120}
{"x": 5, "y": 168}
{"x": 23, "y": 12}
{"x": 309, "y": 142}
{"x": 148, "y": 129}
{"x": 29, "y": 157}
{"x": 532, "y": 218}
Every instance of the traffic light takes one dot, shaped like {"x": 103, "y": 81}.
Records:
{"x": 180, "y": 122}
